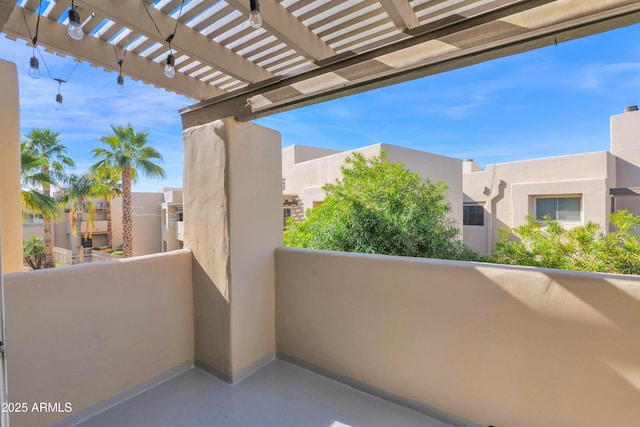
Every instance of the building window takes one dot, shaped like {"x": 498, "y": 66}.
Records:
{"x": 286, "y": 213}
{"x": 472, "y": 215}
{"x": 28, "y": 218}
{"x": 566, "y": 209}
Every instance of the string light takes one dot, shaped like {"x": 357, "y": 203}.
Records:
{"x": 255, "y": 19}
{"x": 120, "y": 61}
{"x": 74, "y": 28}
{"x": 170, "y": 65}
{"x": 59, "y": 95}
{"x": 34, "y": 66}
{"x": 169, "y": 68}
{"x": 120, "y": 83}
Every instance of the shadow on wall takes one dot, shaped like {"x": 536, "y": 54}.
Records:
{"x": 212, "y": 319}
{"x": 498, "y": 345}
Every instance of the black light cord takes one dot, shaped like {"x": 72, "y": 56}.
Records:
{"x": 34, "y": 40}
{"x": 74, "y": 68}
{"x": 119, "y": 60}
{"x": 43, "y": 61}
{"x": 173, "y": 34}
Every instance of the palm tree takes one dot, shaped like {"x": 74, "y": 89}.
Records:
{"x": 32, "y": 179}
{"x": 50, "y": 155}
{"x": 79, "y": 191}
{"x": 109, "y": 186}
{"x": 127, "y": 152}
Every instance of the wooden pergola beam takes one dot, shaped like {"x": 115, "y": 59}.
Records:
{"x": 100, "y": 53}
{"x": 187, "y": 40}
{"x": 280, "y": 23}
{"x": 401, "y": 13}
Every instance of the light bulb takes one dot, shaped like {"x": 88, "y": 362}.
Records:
{"x": 255, "y": 19}
{"x": 34, "y": 67}
{"x": 120, "y": 84}
{"x": 169, "y": 68}
{"x": 74, "y": 29}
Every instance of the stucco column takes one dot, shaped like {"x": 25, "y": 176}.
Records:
{"x": 232, "y": 204}
{"x": 10, "y": 202}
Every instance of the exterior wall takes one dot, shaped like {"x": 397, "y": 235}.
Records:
{"x": 497, "y": 345}
{"x": 10, "y": 199}
{"x": 31, "y": 230}
{"x": 625, "y": 141}
{"x": 507, "y": 191}
{"x": 61, "y": 232}
{"x": 306, "y": 178}
{"x": 100, "y": 329}
{"x": 234, "y": 171}
{"x": 146, "y": 223}
{"x": 253, "y": 240}
{"x": 301, "y": 153}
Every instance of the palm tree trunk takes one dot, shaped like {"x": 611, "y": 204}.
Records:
{"x": 127, "y": 220}
{"x": 48, "y": 228}
{"x": 109, "y": 223}
{"x": 48, "y": 243}
{"x": 79, "y": 247}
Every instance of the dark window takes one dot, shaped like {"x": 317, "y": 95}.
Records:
{"x": 286, "y": 213}
{"x": 472, "y": 215}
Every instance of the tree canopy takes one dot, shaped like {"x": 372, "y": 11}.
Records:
{"x": 583, "y": 247}
{"x": 381, "y": 207}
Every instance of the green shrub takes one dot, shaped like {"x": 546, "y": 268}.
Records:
{"x": 381, "y": 207}
{"x": 583, "y": 247}
{"x": 33, "y": 252}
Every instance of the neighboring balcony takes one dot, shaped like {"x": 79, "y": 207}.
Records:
{"x": 99, "y": 227}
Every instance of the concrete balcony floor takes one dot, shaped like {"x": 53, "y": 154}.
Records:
{"x": 279, "y": 394}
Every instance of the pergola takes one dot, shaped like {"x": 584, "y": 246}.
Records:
{"x": 306, "y": 50}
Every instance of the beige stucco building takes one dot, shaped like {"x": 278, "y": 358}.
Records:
{"x": 147, "y": 216}
{"x": 573, "y": 189}
{"x": 306, "y": 169}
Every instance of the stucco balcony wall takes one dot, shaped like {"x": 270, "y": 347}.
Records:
{"x": 496, "y": 345}
{"x": 83, "y": 334}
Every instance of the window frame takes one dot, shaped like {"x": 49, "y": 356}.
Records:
{"x": 558, "y": 197}
{"x": 287, "y": 212}
{"x": 465, "y": 217}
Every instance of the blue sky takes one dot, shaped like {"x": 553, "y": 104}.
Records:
{"x": 547, "y": 102}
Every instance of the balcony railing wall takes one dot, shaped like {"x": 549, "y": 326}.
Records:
{"x": 83, "y": 334}
{"x": 506, "y": 346}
